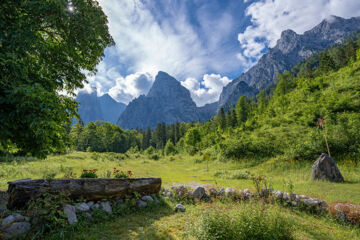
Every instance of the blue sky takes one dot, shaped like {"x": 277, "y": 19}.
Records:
{"x": 202, "y": 43}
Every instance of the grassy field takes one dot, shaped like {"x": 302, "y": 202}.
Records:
{"x": 187, "y": 169}
{"x": 163, "y": 223}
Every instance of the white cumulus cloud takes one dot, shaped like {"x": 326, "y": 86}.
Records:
{"x": 131, "y": 86}
{"x": 208, "y": 90}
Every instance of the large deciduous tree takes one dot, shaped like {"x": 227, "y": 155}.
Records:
{"x": 45, "y": 49}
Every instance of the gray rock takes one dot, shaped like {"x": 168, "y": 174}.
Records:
{"x": 310, "y": 202}
{"x": 180, "y": 207}
{"x": 190, "y": 194}
{"x": 70, "y": 213}
{"x": 278, "y": 195}
{"x": 89, "y": 216}
{"x": 90, "y": 204}
{"x": 323, "y": 205}
{"x": 95, "y": 206}
{"x": 199, "y": 192}
{"x": 147, "y": 199}
{"x": 247, "y": 191}
{"x": 221, "y": 192}
{"x": 16, "y": 229}
{"x": 286, "y": 196}
{"x": 213, "y": 192}
{"x": 229, "y": 192}
{"x": 294, "y": 203}
{"x": 141, "y": 204}
{"x": 106, "y": 207}
{"x": 7, "y": 221}
{"x": 82, "y": 207}
{"x": 325, "y": 169}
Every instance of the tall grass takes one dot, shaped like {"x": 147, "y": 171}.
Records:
{"x": 250, "y": 221}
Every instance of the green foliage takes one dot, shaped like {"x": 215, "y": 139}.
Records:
{"x": 281, "y": 121}
{"x": 150, "y": 150}
{"x": 170, "y": 148}
{"x": 45, "y": 48}
{"x": 242, "y": 109}
{"x": 48, "y": 213}
{"x": 121, "y": 174}
{"x": 250, "y": 222}
{"x": 89, "y": 173}
{"x": 104, "y": 137}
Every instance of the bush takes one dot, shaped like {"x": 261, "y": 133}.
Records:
{"x": 121, "y": 174}
{"x": 154, "y": 157}
{"x": 250, "y": 222}
{"x": 150, "y": 150}
{"x": 170, "y": 148}
{"x": 89, "y": 173}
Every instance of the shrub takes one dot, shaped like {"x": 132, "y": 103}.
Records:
{"x": 170, "y": 148}
{"x": 121, "y": 174}
{"x": 154, "y": 157}
{"x": 241, "y": 175}
{"x": 250, "y": 222}
{"x": 89, "y": 173}
{"x": 150, "y": 150}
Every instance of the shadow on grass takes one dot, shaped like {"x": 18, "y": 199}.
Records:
{"x": 136, "y": 225}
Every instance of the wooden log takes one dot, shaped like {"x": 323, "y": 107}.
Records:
{"x": 92, "y": 189}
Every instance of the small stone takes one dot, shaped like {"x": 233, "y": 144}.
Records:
{"x": 286, "y": 196}
{"x": 247, "y": 191}
{"x": 221, "y": 192}
{"x": 323, "y": 205}
{"x": 213, "y": 192}
{"x": 190, "y": 194}
{"x": 89, "y": 217}
{"x": 106, "y": 207}
{"x": 7, "y": 221}
{"x": 310, "y": 202}
{"x": 16, "y": 229}
{"x": 199, "y": 192}
{"x": 278, "y": 195}
{"x": 70, "y": 213}
{"x": 294, "y": 203}
{"x": 180, "y": 207}
{"x": 90, "y": 204}
{"x": 95, "y": 206}
{"x": 303, "y": 197}
{"x": 82, "y": 207}
{"x": 229, "y": 192}
{"x": 141, "y": 204}
{"x": 147, "y": 199}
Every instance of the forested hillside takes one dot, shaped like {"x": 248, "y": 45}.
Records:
{"x": 317, "y": 101}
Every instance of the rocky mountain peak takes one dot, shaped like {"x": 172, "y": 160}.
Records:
{"x": 166, "y": 86}
{"x": 290, "y": 49}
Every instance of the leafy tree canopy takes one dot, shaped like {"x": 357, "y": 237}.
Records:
{"x": 46, "y": 46}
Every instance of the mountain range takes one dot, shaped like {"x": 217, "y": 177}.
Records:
{"x": 168, "y": 101}
{"x": 289, "y": 50}
{"x": 103, "y": 108}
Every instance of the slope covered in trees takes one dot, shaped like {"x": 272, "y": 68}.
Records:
{"x": 283, "y": 120}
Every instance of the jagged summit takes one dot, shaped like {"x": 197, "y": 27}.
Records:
{"x": 290, "y": 49}
{"x": 166, "y": 86}
{"x": 167, "y": 101}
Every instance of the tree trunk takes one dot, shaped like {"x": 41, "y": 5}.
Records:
{"x": 92, "y": 189}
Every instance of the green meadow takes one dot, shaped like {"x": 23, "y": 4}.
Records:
{"x": 163, "y": 223}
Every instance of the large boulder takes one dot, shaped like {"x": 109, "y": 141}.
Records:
{"x": 91, "y": 189}
{"x": 325, "y": 169}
